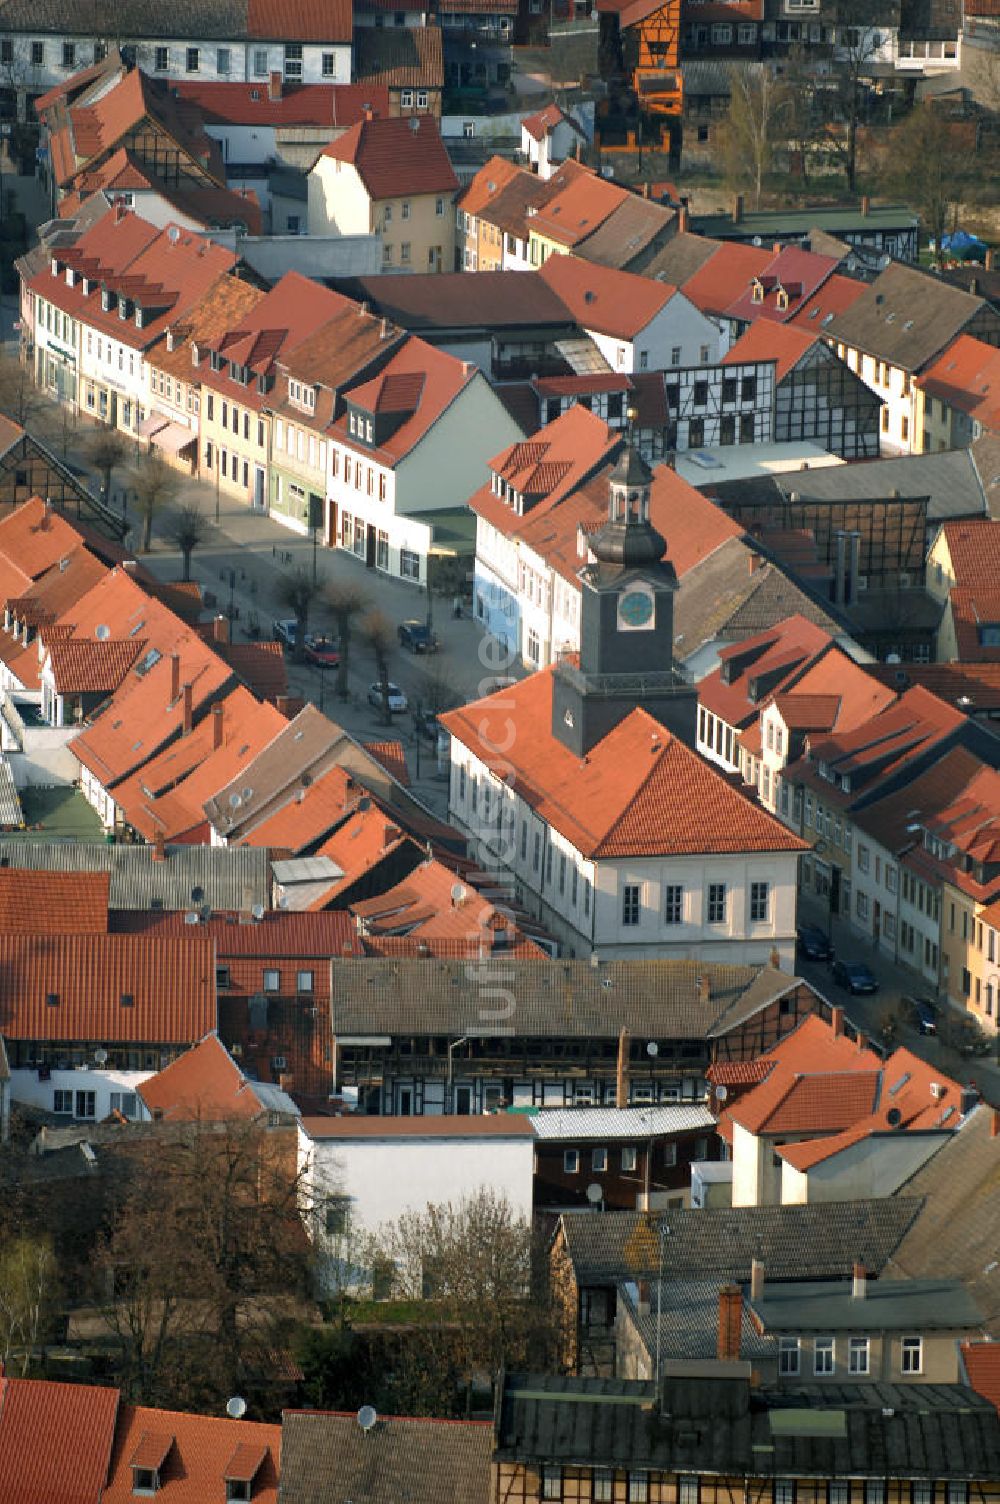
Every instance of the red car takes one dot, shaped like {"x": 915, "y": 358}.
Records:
{"x": 322, "y": 652}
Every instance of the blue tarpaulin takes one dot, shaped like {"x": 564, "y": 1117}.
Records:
{"x": 963, "y": 245}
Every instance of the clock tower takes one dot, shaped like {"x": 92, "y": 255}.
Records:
{"x": 626, "y": 624}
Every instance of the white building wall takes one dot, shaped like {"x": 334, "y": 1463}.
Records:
{"x": 876, "y": 1166}
{"x": 679, "y": 326}
{"x": 338, "y": 200}
{"x": 28, "y": 1088}
{"x": 746, "y": 1167}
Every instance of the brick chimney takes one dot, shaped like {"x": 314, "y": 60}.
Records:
{"x": 159, "y": 854}
{"x": 281, "y": 704}
{"x": 217, "y": 717}
{"x": 621, "y": 1079}
{"x": 188, "y": 709}
{"x": 837, "y": 1022}
{"x": 866, "y": 205}
{"x": 753, "y": 561}
{"x": 990, "y": 259}
{"x": 756, "y": 1279}
{"x": 683, "y": 220}
{"x": 274, "y": 85}
{"x": 220, "y": 629}
{"x": 738, "y": 209}
{"x": 730, "y": 1322}
{"x": 859, "y": 1281}
{"x": 175, "y": 677}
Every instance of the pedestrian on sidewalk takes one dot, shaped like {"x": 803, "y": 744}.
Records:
{"x": 456, "y": 607}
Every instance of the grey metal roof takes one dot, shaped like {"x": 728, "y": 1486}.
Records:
{"x": 306, "y": 869}
{"x": 686, "y": 1311}
{"x": 572, "y": 1123}
{"x": 888, "y": 1305}
{"x": 11, "y": 813}
{"x": 720, "y": 1426}
{"x": 222, "y": 19}
{"x": 655, "y": 999}
{"x": 681, "y": 257}
{"x": 228, "y": 877}
{"x": 793, "y": 1242}
{"x": 328, "y": 1457}
{"x": 950, "y": 481}
{"x": 274, "y": 1099}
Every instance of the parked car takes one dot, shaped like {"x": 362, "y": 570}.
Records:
{"x": 285, "y": 631}
{"x": 855, "y": 976}
{"x": 923, "y": 1013}
{"x": 813, "y": 943}
{"x": 321, "y": 651}
{"x": 428, "y": 727}
{"x": 417, "y": 636}
{"x": 397, "y": 699}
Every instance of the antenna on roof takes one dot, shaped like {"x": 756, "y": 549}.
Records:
{"x": 101, "y": 1057}
{"x": 257, "y": 912}
{"x": 594, "y": 1193}
{"x": 367, "y": 1416}
{"x": 236, "y": 1408}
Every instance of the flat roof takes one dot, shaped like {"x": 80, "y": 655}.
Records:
{"x": 708, "y": 467}
{"x": 437, "y": 1125}
{"x": 913, "y": 1305}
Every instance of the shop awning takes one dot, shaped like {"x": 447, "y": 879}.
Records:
{"x": 174, "y": 438}
{"x": 151, "y": 424}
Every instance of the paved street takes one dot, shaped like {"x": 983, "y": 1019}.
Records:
{"x": 869, "y": 1013}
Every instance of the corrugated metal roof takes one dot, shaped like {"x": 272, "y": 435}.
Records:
{"x": 11, "y": 813}
{"x": 619, "y": 1122}
{"x": 224, "y": 877}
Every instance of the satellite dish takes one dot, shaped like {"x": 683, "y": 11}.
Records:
{"x": 257, "y": 912}
{"x": 246, "y": 795}
{"x": 190, "y": 917}
{"x": 457, "y": 892}
{"x": 721, "y": 1093}
{"x": 652, "y": 1049}
{"x": 367, "y": 1416}
{"x": 234, "y": 801}
{"x": 236, "y": 1408}
{"x": 102, "y": 633}
{"x": 101, "y": 1057}
{"x": 595, "y": 1193}
{"x": 894, "y": 1117}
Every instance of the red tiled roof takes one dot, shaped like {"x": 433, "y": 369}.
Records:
{"x": 639, "y": 792}
{"x": 53, "y": 903}
{"x": 488, "y": 182}
{"x": 300, "y": 20}
{"x": 974, "y": 551}
{"x": 616, "y": 303}
{"x": 966, "y": 375}
{"x": 248, "y": 103}
{"x": 835, "y": 296}
{"x": 392, "y": 755}
{"x": 796, "y": 272}
{"x": 357, "y": 846}
{"x": 396, "y": 158}
{"x": 423, "y": 905}
{"x": 46, "y": 598}
{"x": 85, "y": 666}
{"x": 577, "y": 210}
{"x": 775, "y": 657}
{"x": 543, "y": 121}
{"x": 195, "y": 1468}
{"x": 982, "y": 1362}
{"x": 738, "y": 1072}
{"x": 419, "y": 380}
{"x": 731, "y": 266}
{"x": 881, "y": 739}
{"x": 171, "y": 983}
{"x": 765, "y": 340}
{"x": 35, "y": 538}
{"x": 834, "y": 1100}
{"x": 808, "y": 712}
{"x": 205, "y": 1085}
{"x": 308, "y": 815}
{"x": 55, "y": 1441}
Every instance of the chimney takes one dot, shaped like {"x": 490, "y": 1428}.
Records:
{"x": 753, "y": 562}
{"x": 859, "y": 1281}
{"x": 990, "y": 260}
{"x": 837, "y": 1022}
{"x": 866, "y": 205}
{"x": 188, "y": 709}
{"x": 220, "y": 629}
{"x": 390, "y": 835}
{"x": 683, "y": 220}
{"x": 175, "y": 677}
{"x": 621, "y": 1084}
{"x": 730, "y": 1323}
{"x": 217, "y": 715}
{"x": 120, "y": 211}
{"x": 862, "y": 1042}
{"x": 777, "y": 247}
{"x": 705, "y": 989}
{"x": 738, "y": 209}
{"x": 756, "y": 1280}
{"x": 274, "y": 86}
{"x": 645, "y": 190}
{"x": 281, "y": 704}
{"x": 159, "y": 854}
{"x": 974, "y": 286}
{"x": 368, "y": 112}
{"x": 46, "y": 515}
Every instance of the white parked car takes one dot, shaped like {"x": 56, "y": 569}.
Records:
{"x": 397, "y": 699}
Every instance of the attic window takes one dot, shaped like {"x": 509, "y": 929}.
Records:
{"x": 107, "y": 299}
{"x": 123, "y": 308}
{"x": 255, "y": 96}
{"x": 145, "y": 1480}
{"x": 237, "y": 1488}
{"x": 52, "y": 999}
{"x": 140, "y": 316}
{"x": 195, "y": 356}
{"x": 216, "y": 360}
{"x": 758, "y": 293}
{"x": 128, "y": 1001}
{"x": 782, "y": 298}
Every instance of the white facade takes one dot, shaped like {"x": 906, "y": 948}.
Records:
{"x": 679, "y": 335}
{"x": 374, "y": 1178}
{"x": 555, "y": 146}
{"x": 112, "y": 375}
{"x": 894, "y": 387}
{"x": 583, "y": 902}
{"x": 81, "y": 1095}
{"x": 875, "y": 1166}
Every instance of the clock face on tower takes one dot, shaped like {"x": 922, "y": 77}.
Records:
{"x": 635, "y": 610}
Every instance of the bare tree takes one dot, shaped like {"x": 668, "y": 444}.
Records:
{"x": 858, "y": 41}
{"x": 758, "y": 106}
{"x": 378, "y": 633}
{"x": 477, "y": 1259}
{"x": 28, "y": 1286}
{"x": 186, "y": 529}
{"x": 155, "y": 486}
{"x": 296, "y": 590}
{"x": 925, "y": 166}
{"x": 346, "y": 601}
{"x": 20, "y": 398}
{"x": 106, "y": 450}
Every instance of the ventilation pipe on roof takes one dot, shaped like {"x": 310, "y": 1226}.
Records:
{"x": 175, "y": 677}
{"x": 683, "y": 220}
{"x": 159, "y": 850}
{"x": 859, "y": 1281}
{"x": 217, "y": 717}
{"x": 837, "y": 1022}
{"x": 188, "y": 709}
{"x": 866, "y": 205}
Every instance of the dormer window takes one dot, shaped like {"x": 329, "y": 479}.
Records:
{"x": 782, "y": 298}
{"x": 140, "y": 318}
{"x": 145, "y": 1481}
{"x": 240, "y": 374}
{"x": 195, "y": 355}
{"x": 237, "y": 1488}
{"x": 242, "y": 1469}
{"x": 147, "y": 1462}
{"x": 70, "y": 276}
{"x": 55, "y": 267}
{"x": 123, "y": 308}
{"x": 88, "y": 286}
{"x": 757, "y": 296}
{"x": 216, "y": 361}
{"x": 108, "y": 299}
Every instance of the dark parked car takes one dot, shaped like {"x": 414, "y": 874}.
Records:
{"x": 813, "y": 943}
{"x": 285, "y": 631}
{"x": 855, "y": 976}
{"x": 923, "y": 1013}
{"x": 417, "y": 636}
